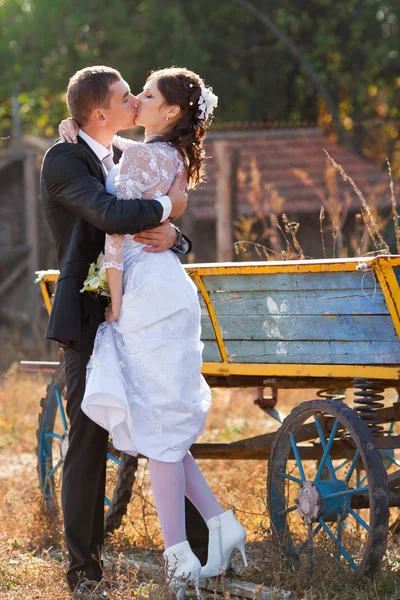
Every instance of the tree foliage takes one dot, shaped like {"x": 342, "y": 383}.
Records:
{"x": 353, "y": 45}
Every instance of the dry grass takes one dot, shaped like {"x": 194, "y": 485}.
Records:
{"x": 32, "y": 554}
{"x": 261, "y": 236}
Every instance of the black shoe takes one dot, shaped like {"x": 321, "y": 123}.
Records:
{"x": 91, "y": 590}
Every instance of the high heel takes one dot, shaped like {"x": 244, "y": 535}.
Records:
{"x": 225, "y": 535}
{"x": 241, "y": 546}
{"x": 182, "y": 566}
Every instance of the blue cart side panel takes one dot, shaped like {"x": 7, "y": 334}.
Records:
{"x": 300, "y": 318}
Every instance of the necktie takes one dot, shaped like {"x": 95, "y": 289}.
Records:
{"x": 108, "y": 162}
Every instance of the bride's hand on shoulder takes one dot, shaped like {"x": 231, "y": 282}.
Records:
{"x": 68, "y": 130}
{"x": 178, "y": 196}
{"x": 110, "y": 315}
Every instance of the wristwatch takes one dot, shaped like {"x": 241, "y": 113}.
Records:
{"x": 179, "y": 237}
{"x": 182, "y": 244}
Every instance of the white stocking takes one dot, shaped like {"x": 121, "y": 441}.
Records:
{"x": 168, "y": 485}
{"x": 198, "y": 491}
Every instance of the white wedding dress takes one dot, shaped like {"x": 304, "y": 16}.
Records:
{"x": 144, "y": 382}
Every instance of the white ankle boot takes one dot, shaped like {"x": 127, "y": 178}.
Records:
{"x": 226, "y": 534}
{"x": 182, "y": 566}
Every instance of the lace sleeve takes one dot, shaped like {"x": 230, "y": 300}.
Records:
{"x": 113, "y": 252}
{"x": 146, "y": 171}
{"x": 137, "y": 168}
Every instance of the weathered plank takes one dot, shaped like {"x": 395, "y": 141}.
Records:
{"x": 205, "y": 319}
{"x": 300, "y": 352}
{"x": 307, "y": 328}
{"x": 211, "y": 352}
{"x": 292, "y": 281}
{"x": 300, "y": 302}
{"x": 305, "y": 352}
{"x": 242, "y": 589}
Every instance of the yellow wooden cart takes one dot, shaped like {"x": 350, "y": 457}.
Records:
{"x": 326, "y": 324}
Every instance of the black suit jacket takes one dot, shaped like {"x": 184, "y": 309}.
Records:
{"x": 79, "y": 212}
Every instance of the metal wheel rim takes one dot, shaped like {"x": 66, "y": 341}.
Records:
{"x": 372, "y": 459}
{"x": 116, "y": 506}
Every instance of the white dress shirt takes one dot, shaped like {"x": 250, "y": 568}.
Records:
{"x": 102, "y": 152}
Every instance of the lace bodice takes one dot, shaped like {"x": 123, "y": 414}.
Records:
{"x": 145, "y": 171}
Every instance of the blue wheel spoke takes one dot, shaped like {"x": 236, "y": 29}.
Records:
{"x": 54, "y": 469}
{"x": 359, "y": 519}
{"x": 61, "y": 409}
{"x": 358, "y": 484}
{"x": 297, "y": 457}
{"x": 352, "y": 467}
{"x": 345, "y": 462}
{"x": 393, "y": 460}
{"x": 313, "y": 534}
{"x": 107, "y": 502}
{"x": 113, "y": 459}
{"x": 51, "y": 434}
{"x": 285, "y": 511}
{"x": 327, "y": 449}
{"x": 323, "y": 444}
{"x": 290, "y": 477}
{"x": 340, "y": 547}
{"x": 348, "y": 492}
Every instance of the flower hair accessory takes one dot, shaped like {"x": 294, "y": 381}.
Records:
{"x": 207, "y": 102}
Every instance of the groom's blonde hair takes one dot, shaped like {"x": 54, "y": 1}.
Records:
{"x": 89, "y": 89}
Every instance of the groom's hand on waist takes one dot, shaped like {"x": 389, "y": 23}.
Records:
{"x": 160, "y": 239}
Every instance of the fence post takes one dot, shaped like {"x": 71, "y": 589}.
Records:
{"x": 31, "y": 230}
{"x": 223, "y": 208}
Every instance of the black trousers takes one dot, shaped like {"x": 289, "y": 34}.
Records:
{"x": 84, "y": 471}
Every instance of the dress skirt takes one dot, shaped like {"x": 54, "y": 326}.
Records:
{"x": 144, "y": 382}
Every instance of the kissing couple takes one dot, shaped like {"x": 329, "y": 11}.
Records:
{"x": 133, "y": 367}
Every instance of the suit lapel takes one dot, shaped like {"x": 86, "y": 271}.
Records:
{"x": 95, "y": 158}
{"x": 117, "y": 157}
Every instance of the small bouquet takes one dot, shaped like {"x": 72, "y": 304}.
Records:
{"x": 96, "y": 281}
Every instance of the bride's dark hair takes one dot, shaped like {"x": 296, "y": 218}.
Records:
{"x": 182, "y": 87}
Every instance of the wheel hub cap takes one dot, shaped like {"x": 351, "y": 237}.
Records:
{"x": 308, "y": 502}
{"x": 313, "y": 501}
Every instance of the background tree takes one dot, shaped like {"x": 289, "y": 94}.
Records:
{"x": 352, "y": 45}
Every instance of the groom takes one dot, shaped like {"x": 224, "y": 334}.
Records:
{"x": 79, "y": 212}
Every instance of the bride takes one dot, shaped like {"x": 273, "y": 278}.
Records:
{"x": 144, "y": 382}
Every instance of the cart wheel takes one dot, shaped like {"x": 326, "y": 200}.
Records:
{"x": 304, "y": 502}
{"x": 391, "y": 457}
{"x": 52, "y": 445}
{"x": 391, "y": 462}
